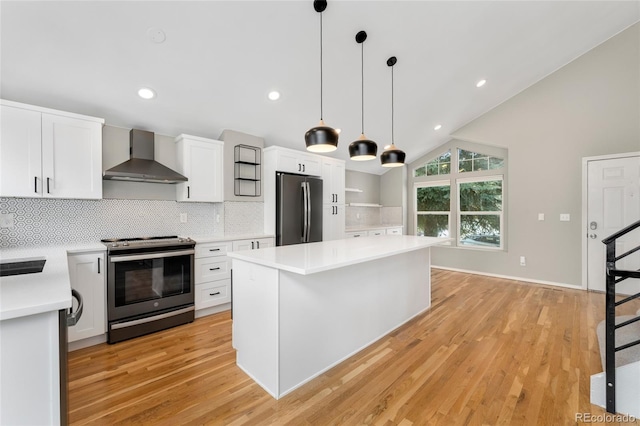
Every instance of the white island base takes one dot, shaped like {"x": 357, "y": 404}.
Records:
{"x": 300, "y": 310}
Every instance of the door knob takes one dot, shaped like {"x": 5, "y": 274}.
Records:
{"x": 593, "y": 236}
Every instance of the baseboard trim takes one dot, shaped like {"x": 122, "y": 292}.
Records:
{"x": 509, "y": 277}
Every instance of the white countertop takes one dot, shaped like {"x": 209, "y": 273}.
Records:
{"x": 213, "y": 239}
{"x": 311, "y": 258}
{"x": 369, "y": 227}
{"x": 49, "y": 290}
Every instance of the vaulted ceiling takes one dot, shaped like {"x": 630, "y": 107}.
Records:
{"x": 218, "y": 60}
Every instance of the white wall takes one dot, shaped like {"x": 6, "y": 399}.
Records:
{"x": 589, "y": 107}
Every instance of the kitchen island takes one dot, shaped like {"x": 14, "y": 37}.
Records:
{"x": 299, "y": 310}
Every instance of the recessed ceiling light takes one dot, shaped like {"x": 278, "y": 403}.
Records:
{"x": 438, "y": 127}
{"x": 146, "y": 93}
{"x": 481, "y": 83}
{"x": 274, "y": 95}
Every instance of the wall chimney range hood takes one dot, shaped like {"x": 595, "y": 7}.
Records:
{"x": 141, "y": 167}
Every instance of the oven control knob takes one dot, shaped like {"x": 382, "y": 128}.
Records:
{"x": 181, "y": 240}
{"x": 125, "y": 243}
{"x": 114, "y": 244}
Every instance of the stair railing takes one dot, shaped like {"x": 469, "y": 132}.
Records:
{"x": 615, "y": 276}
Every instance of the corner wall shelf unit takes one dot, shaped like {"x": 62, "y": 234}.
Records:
{"x": 247, "y": 170}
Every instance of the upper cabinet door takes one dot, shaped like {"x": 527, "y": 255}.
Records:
{"x": 333, "y": 176}
{"x": 200, "y": 160}
{"x": 20, "y": 153}
{"x": 292, "y": 161}
{"x": 71, "y": 157}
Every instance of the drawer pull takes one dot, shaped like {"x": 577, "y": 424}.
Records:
{"x": 214, "y": 294}
{"x": 214, "y": 269}
{"x": 214, "y": 249}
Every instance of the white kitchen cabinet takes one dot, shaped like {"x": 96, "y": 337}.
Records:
{"x": 253, "y": 244}
{"x": 212, "y": 274}
{"x": 355, "y": 234}
{"x": 292, "y": 161}
{"x": 394, "y": 231}
{"x": 87, "y": 273}
{"x": 49, "y": 153}
{"x": 200, "y": 160}
{"x": 333, "y": 181}
{"x": 333, "y": 222}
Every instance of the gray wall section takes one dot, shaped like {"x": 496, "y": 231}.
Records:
{"x": 589, "y": 107}
{"x": 393, "y": 190}
{"x": 232, "y": 138}
{"x": 367, "y": 182}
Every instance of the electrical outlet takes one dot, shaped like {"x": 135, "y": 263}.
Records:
{"x": 7, "y": 220}
{"x": 183, "y": 218}
{"x": 565, "y": 217}
{"x": 523, "y": 261}
{"x": 217, "y": 218}
{"x": 540, "y": 216}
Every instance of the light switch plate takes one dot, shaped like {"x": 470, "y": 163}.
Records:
{"x": 540, "y": 216}
{"x": 183, "y": 218}
{"x": 565, "y": 217}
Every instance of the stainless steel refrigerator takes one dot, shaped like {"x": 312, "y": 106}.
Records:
{"x": 298, "y": 209}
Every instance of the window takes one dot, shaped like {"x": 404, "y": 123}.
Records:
{"x": 469, "y": 161}
{"x": 480, "y": 212}
{"x": 460, "y": 194}
{"x": 440, "y": 165}
{"x": 433, "y": 208}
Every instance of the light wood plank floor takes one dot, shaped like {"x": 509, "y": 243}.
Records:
{"x": 490, "y": 351}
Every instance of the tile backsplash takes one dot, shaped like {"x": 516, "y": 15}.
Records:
{"x": 55, "y": 221}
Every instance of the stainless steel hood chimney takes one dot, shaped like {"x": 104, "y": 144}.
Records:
{"x": 141, "y": 167}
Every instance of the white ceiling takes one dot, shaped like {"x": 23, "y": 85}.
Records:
{"x": 221, "y": 58}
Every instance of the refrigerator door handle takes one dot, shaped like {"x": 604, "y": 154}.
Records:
{"x": 305, "y": 203}
{"x": 309, "y": 212}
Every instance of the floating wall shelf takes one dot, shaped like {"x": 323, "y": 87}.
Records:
{"x": 247, "y": 170}
{"x": 364, "y": 205}
{"x": 352, "y": 190}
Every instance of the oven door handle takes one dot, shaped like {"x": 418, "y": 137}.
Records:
{"x": 160, "y": 255}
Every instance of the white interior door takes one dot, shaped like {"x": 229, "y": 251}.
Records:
{"x": 613, "y": 202}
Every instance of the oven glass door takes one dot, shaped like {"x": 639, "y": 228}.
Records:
{"x": 144, "y": 283}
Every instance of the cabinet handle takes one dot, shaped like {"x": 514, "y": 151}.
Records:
{"x": 214, "y": 249}
{"x": 251, "y": 245}
{"x": 258, "y": 244}
{"x": 48, "y": 192}
{"x": 356, "y": 236}
{"x": 35, "y": 184}
{"x": 299, "y": 167}
{"x": 188, "y": 191}
{"x": 98, "y": 265}
{"x": 214, "y": 269}
{"x": 303, "y": 167}
{"x": 214, "y": 294}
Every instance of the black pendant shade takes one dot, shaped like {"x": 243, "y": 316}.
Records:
{"x": 363, "y": 149}
{"x": 321, "y": 138}
{"x": 392, "y": 156}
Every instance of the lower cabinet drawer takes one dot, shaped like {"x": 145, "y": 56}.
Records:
{"x": 212, "y": 268}
{"x": 213, "y": 293}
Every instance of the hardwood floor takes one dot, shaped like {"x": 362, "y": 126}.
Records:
{"x": 490, "y": 351}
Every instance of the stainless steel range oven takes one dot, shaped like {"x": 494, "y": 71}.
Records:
{"x": 149, "y": 285}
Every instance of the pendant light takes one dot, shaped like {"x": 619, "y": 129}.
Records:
{"x": 321, "y": 138}
{"x": 362, "y": 149}
{"x": 392, "y": 156}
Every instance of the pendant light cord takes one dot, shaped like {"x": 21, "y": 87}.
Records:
{"x": 392, "y": 110}
{"x": 362, "y": 81}
{"x": 321, "y": 86}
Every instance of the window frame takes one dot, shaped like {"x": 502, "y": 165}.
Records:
{"x": 460, "y": 213}
{"x": 416, "y": 212}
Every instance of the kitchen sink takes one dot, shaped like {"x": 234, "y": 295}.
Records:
{"x": 20, "y": 267}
